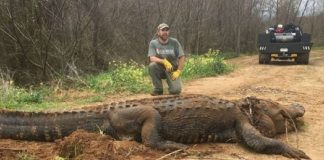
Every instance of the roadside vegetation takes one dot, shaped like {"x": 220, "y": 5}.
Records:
{"x": 123, "y": 78}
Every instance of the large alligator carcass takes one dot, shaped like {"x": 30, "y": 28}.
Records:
{"x": 167, "y": 122}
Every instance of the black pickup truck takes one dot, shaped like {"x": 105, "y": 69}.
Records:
{"x": 291, "y": 44}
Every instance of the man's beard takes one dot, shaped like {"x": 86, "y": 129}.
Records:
{"x": 164, "y": 37}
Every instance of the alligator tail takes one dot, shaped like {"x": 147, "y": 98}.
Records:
{"x": 43, "y": 126}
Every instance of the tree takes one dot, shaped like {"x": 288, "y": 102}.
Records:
{"x": 44, "y": 39}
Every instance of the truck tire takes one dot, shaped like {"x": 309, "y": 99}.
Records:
{"x": 302, "y": 58}
{"x": 264, "y": 58}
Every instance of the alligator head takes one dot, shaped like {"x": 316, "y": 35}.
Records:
{"x": 272, "y": 118}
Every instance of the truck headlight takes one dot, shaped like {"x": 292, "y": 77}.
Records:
{"x": 306, "y": 48}
{"x": 262, "y": 48}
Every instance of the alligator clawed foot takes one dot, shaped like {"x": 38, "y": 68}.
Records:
{"x": 295, "y": 153}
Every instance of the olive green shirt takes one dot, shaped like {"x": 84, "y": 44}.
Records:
{"x": 171, "y": 51}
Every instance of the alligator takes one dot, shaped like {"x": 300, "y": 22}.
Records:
{"x": 167, "y": 122}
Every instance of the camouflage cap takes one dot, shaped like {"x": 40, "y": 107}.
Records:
{"x": 162, "y": 25}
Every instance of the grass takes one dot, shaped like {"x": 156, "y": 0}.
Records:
{"x": 91, "y": 99}
{"x": 210, "y": 64}
{"x": 318, "y": 47}
{"x": 25, "y": 156}
{"x": 13, "y": 97}
{"x": 59, "y": 158}
{"x": 122, "y": 78}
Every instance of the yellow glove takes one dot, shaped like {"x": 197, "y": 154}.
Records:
{"x": 175, "y": 75}
{"x": 167, "y": 65}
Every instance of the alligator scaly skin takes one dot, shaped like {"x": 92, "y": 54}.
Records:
{"x": 160, "y": 122}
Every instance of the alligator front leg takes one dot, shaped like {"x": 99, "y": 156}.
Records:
{"x": 151, "y": 133}
{"x": 253, "y": 139}
{"x": 144, "y": 121}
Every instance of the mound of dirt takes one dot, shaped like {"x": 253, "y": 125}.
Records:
{"x": 15, "y": 149}
{"x": 79, "y": 145}
{"x": 84, "y": 145}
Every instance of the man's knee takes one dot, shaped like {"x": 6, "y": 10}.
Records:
{"x": 153, "y": 66}
{"x": 175, "y": 90}
{"x": 156, "y": 70}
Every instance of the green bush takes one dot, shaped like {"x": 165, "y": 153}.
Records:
{"x": 124, "y": 77}
{"x": 31, "y": 97}
{"x": 133, "y": 78}
{"x": 15, "y": 96}
{"x": 209, "y": 64}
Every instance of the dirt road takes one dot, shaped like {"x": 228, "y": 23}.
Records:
{"x": 282, "y": 82}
